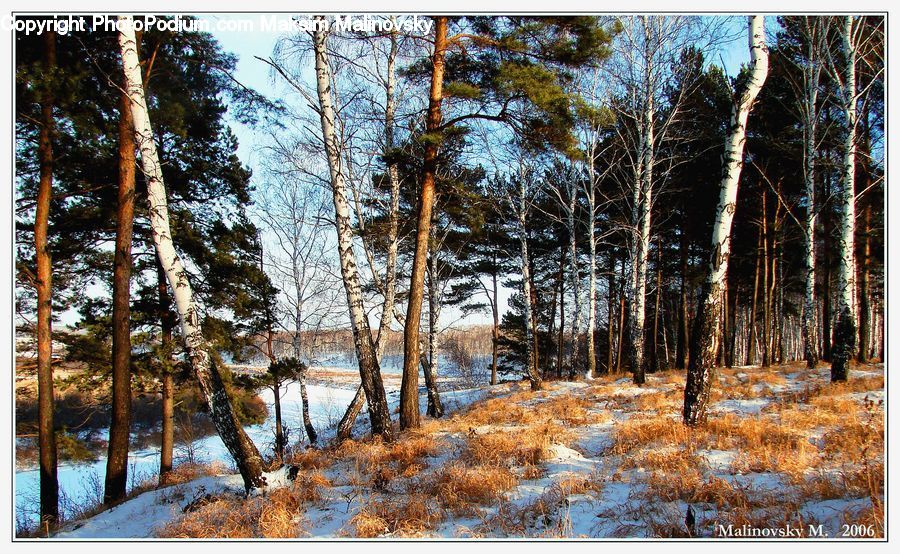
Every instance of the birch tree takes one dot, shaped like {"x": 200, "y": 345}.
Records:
{"x": 707, "y": 330}
{"x": 369, "y": 367}
{"x": 385, "y": 53}
{"x": 566, "y": 195}
{"x": 647, "y": 58}
{"x": 594, "y": 117}
{"x": 239, "y": 445}
{"x": 843, "y": 58}
{"x": 521, "y": 200}
{"x": 813, "y": 31}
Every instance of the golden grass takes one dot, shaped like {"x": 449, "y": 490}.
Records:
{"x": 460, "y": 488}
{"x": 648, "y": 431}
{"x": 311, "y": 458}
{"x": 821, "y": 442}
{"x": 526, "y": 447}
{"x": 277, "y": 515}
{"x": 188, "y": 472}
{"x": 411, "y": 516}
{"x": 310, "y": 486}
{"x": 379, "y": 463}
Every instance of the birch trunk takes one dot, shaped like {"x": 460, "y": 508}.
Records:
{"x": 707, "y": 324}
{"x": 530, "y": 363}
{"x": 167, "y": 445}
{"x": 370, "y": 372}
{"x": 345, "y": 426}
{"x": 495, "y": 327}
{"x": 435, "y": 407}
{"x": 237, "y": 442}
{"x": 843, "y": 344}
{"x": 592, "y": 276}
{"x": 865, "y": 307}
{"x": 575, "y": 282}
{"x": 301, "y": 381}
{"x": 811, "y": 74}
{"x": 642, "y": 246}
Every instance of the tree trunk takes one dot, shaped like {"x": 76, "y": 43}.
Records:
{"x": 370, "y": 372}
{"x": 531, "y": 371}
{"x": 435, "y": 408}
{"x": 495, "y": 328}
{"x": 307, "y": 421}
{"x": 641, "y": 252}
{"x": 574, "y": 281}
{"x": 561, "y": 347}
{"x": 409, "y": 387}
{"x": 610, "y": 318}
{"x": 865, "y": 308}
{"x": 707, "y": 332}
{"x": 167, "y": 445}
{"x": 620, "y": 350}
{"x": 237, "y": 442}
{"x": 345, "y": 426}
{"x": 681, "y": 339}
{"x": 827, "y": 299}
{"x": 120, "y": 426}
{"x": 811, "y": 77}
{"x": 654, "y": 356}
{"x": 46, "y": 432}
{"x": 592, "y": 291}
{"x": 844, "y": 340}
{"x": 765, "y": 274}
{"x": 751, "y": 339}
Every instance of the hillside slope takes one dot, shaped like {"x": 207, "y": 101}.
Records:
{"x": 784, "y": 452}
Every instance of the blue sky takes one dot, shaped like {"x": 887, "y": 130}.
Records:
{"x": 256, "y": 74}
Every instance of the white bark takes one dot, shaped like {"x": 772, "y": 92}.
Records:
{"x": 845, "y": 335}
{"x": 232, "y": 434}
{"x": 522, "y": 215}
{"x": 707, "y": 327}
{"x": 370, "y": 372}
{"x": 812, "y": 69}
{"x": 574, "y": 277}
{"x": 734, "y": 154}
{"x": 643, "y": 197}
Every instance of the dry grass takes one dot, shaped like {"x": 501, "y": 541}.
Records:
{"x": 667, "y": 460}
{"x": 647, "y": 432}
{"x": 311, "y": 458}
{"x": 461, "y": 488}
{"x": 526, "y": 447}
{"x": 412, "y": 516}
{"x": 310, "y": 486}
{"x": 277, "y": 515}
{"x": 378, "y": 463}
{"x": 188, "y": 472}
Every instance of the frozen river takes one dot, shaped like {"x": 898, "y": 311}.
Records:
{"x": 80, "y": 483}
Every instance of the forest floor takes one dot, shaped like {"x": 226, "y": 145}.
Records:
{"x": 784, "y": 452}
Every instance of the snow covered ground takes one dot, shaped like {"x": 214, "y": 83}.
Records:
{"x": 784, "y": 449}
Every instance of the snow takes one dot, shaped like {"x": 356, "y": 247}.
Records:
{"x": 615, "y": 505}
{"x": 751, "y": 406}
{"x": 718, "y": 461}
